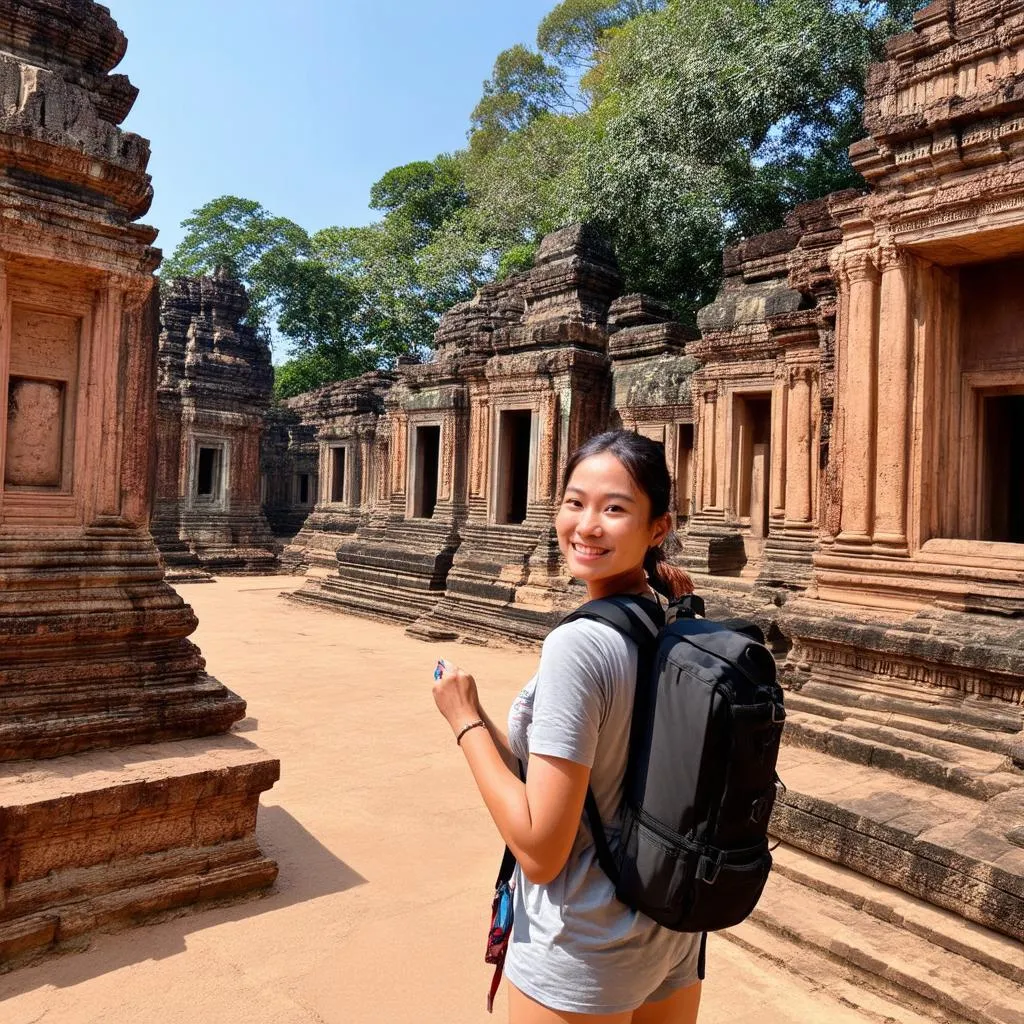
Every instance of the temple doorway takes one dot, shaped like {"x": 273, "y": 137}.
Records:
{"x": 337, "y": 475}
{"x": 209, "y": 481}
{"x": 752, "y": 423}
{"x": 1003, "y": 482}
{"x": 684, "y": 469}
{"x": 428, "y": 453}
{"x": 514, "y": 429}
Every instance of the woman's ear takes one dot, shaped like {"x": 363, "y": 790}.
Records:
{"x": 661, "y": 527}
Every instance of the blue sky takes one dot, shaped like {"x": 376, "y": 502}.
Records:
{"x": 304, "y": 105}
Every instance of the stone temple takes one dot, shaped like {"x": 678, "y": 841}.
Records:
{"x": 120, "y": 795}
{"x": 846, "y": 433}
{"x": 213, "y": 395}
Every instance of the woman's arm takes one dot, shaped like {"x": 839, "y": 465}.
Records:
{"x": 501, "y": 742}
{"x": 539, "y": 819}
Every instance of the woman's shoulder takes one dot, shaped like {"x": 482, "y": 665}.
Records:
{"x": 586, "y": 642}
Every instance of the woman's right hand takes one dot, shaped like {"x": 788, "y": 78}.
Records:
{"x": 455, "y": 696}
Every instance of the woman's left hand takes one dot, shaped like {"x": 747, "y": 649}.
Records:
{"x": 455, "y": 696}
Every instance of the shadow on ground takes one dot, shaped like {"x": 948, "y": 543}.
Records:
{"x": 308, "y": 871}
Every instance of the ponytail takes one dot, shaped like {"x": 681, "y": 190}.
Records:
{"x": 667, "y": 579}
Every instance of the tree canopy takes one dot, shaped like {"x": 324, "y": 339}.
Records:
{"x": 680, "y": 126}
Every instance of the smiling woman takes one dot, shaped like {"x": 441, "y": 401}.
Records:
{"x": 574, "y": 951}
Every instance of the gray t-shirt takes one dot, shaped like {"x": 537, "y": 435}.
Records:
{"x": 574, "y": 946}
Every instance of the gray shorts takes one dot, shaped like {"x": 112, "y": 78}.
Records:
{"x": 688, "y": 971}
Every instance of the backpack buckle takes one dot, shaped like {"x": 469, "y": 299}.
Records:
{"x": 778, "y": 714}
{"x": 708, "y": 867}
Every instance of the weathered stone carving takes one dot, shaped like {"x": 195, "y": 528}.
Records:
{"x": 214, "y": 386}
{"x": 94, "y": 652}
{"x": 907, "y": 654}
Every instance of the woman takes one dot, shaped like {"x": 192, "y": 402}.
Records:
{"x": 576, "y": 953}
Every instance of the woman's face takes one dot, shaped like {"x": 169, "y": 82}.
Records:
{"x": 604, "y": 525}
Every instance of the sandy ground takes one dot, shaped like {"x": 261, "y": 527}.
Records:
{"x": 387, "y": 855}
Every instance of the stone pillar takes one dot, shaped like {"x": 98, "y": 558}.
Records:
{"x": 547, "y": 476}
{"x": 798, "y": 447}
{"x": 779, "y": 446}
{"x": 893, "y": 398}
{"x": 858, "y": 395}
{"x": 399, "y": 453}
{"x": 708, "y": 425}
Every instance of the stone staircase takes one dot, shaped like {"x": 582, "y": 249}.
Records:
{"x": 892, "y": 956}
{"x": 396, "y": 575}
{"x": 478, "y": 605}
{"x": 924, "y": 795}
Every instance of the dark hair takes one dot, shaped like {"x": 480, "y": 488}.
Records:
{"x": 644, "y": 460}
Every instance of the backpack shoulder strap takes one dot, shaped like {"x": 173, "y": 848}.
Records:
{"x": 634, "y": 617}
{"x": 640, "y": 620}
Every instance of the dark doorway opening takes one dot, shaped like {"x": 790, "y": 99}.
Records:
{"x": 337, "y": 474}
{"x": 1004, "y": 468}
{"x": 428, "y": 453}
{"x": 753, "y": 427}
{"x": 684, "y": 469}
{"x": 208, "y": 473}
{"x": 514, "y": 465}
{"x": 303, "y": 488}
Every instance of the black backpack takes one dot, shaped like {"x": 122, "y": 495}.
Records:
{"x": 700, "y": 778}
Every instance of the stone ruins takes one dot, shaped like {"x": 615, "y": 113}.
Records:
{"x": 845, "y": 430}
{"x": 847, "y": 438}
{"x": 213, "y": 394}
{"x": 140, "y": 805}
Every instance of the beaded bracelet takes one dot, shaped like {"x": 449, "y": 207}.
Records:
{"x": 462, "y": 732}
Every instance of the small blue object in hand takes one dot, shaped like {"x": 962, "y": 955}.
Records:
{"x": 439, "y": 670}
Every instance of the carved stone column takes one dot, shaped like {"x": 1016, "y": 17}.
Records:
{"x": 859, "y": 397}
{"x": 798, "y": 447}
{"x": 708, "y": 423}
{"x": 893, "y": 397}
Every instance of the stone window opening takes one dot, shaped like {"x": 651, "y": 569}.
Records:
{"x": 303, "y": 489}
{"x": 427, "y": 442}
{"x": 752, "y": 421}
{"x": 209, "y": 481}
{"x": 337, "y": 469}
{"x": 1002, "y": 483}
{"x": 684, "y": 469}
{"x": 515, "y": 427}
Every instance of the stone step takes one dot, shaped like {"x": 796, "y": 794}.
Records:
{"x": 959, "y": 711}
{"x": 933, "y": 843}
{"x": 913, "y": 965}
{"x": 974, "y": 773}
{"x": 992, "y": 729}
{"x": 995, "y": 952}
{"x": 366, "y": 599}
{"x": 842, "y": 981}
{"x": 106, "y": 838}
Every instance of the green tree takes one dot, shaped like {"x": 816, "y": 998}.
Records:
{"x": 237, "y": 234}
{"x": 715, "y": 118}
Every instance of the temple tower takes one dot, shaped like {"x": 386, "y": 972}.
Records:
{"x": 94, "y": 655}
{"x": 213, "y": 388}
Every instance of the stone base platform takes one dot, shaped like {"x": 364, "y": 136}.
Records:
{"x": 953, "y": 850}
{"x": 890, "y": 955}
{"x": 397, "y": 576}
{"x": 479, "y": 604}
{"x": 106, "y": 839}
